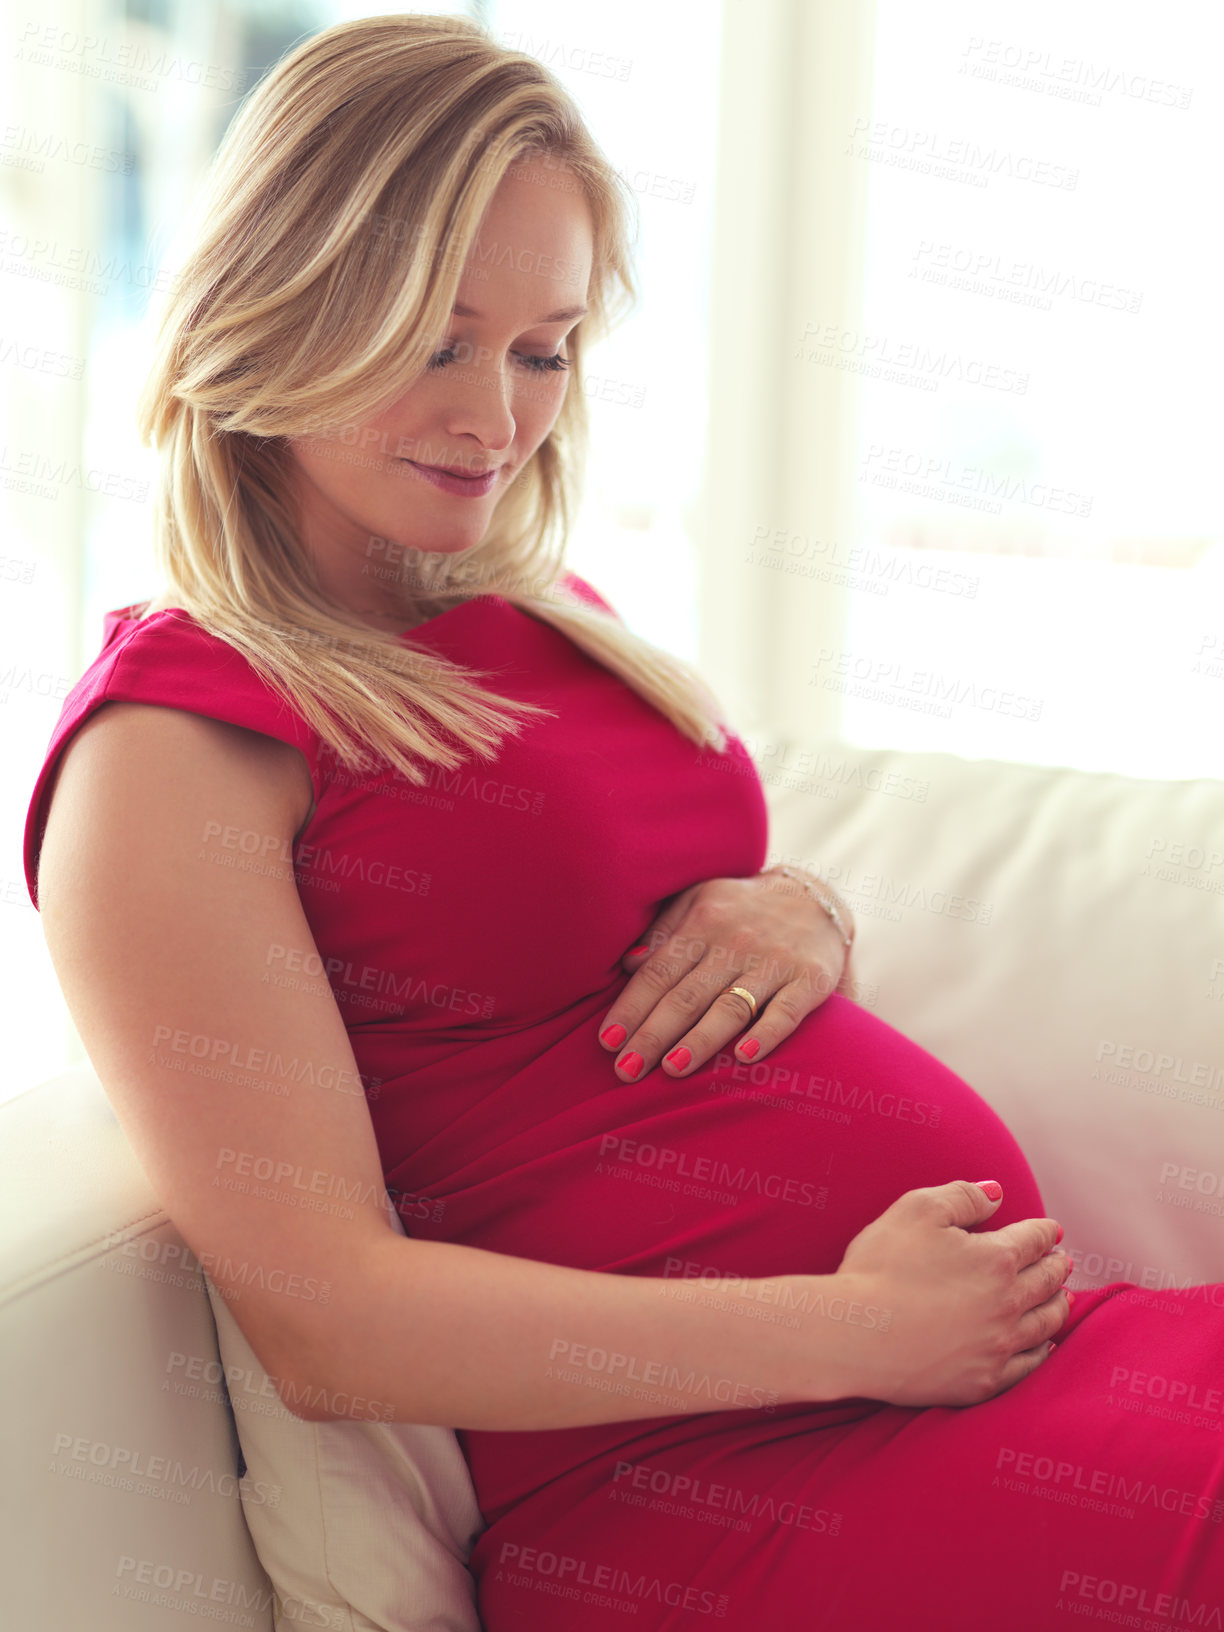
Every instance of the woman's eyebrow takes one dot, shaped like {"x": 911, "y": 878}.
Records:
{"x": 553, "y": 317}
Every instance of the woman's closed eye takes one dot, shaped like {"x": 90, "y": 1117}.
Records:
{"x": 534, "y": 365}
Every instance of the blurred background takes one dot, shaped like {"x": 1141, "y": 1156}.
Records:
{"x": 911, "y": 442}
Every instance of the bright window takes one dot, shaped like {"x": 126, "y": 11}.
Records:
{"x": 1039, "y": 571}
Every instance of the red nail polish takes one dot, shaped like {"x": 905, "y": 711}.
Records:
{"x": 749, "y": 1048}
{"x": 679, "y": 1057}
{"x": 1059, "y": 1236}
{"x": 634, "y": 950}
{"x": 614, "y": 1036}
{"x": 992, "y": 1187}
{"x": 632, "y": 1063}
{"x": 1070, "y": 1297}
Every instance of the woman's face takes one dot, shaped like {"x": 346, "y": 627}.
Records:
{"x": 490, "y": 396}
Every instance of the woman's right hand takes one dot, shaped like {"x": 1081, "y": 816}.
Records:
{"x": 970, "y": 1313}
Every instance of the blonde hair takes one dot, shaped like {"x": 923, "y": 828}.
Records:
{"x": 293, "y": 311}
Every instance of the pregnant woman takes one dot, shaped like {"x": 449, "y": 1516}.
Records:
{"x": 380, "y": 846}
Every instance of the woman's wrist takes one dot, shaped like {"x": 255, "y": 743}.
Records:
{"x": 827, "y": 898}
{"x": 830, "y": 1330}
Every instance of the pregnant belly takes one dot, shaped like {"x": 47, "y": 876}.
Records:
{"x": 733, "y": 1170}
{"x": 729, "y": 1173}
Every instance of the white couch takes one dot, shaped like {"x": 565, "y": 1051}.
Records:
{"x": 1055, "y": 936}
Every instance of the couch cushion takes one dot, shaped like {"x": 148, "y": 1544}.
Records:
{"x": 375, "y": 1520}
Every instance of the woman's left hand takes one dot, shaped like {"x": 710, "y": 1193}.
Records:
{"x": 765, "y": 933}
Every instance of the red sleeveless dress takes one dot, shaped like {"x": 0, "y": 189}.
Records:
{"x": 472, "y": 930}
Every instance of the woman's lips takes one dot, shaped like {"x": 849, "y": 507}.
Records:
{"x": 466, "y": 487}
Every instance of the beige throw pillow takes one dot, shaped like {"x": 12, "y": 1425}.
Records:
{"x": 375, "y": 1521}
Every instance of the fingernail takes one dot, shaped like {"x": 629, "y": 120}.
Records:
{"x": 679, "y": 1057}
{"x": 1070, "y": 1296}
{"x": 992, "y": 1187}
{"x": 749, "y": 1048}
{"x": 1052, "y": 1347}
{"x": 1059, "y": 1236}
{"x": 632, "y": 1063}
{"x": 634, "y": 950}
{"x": 614, "y": 1036}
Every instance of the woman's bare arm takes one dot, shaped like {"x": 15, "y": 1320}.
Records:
{"x": 236, "y": 1085}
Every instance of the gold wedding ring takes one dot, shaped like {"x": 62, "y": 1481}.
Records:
{"x": 742, "y": 991}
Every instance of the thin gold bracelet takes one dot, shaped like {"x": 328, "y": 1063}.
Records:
{"x": 830, "y": 907}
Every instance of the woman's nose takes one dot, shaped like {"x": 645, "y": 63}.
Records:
{"x": 479, "y": 401}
